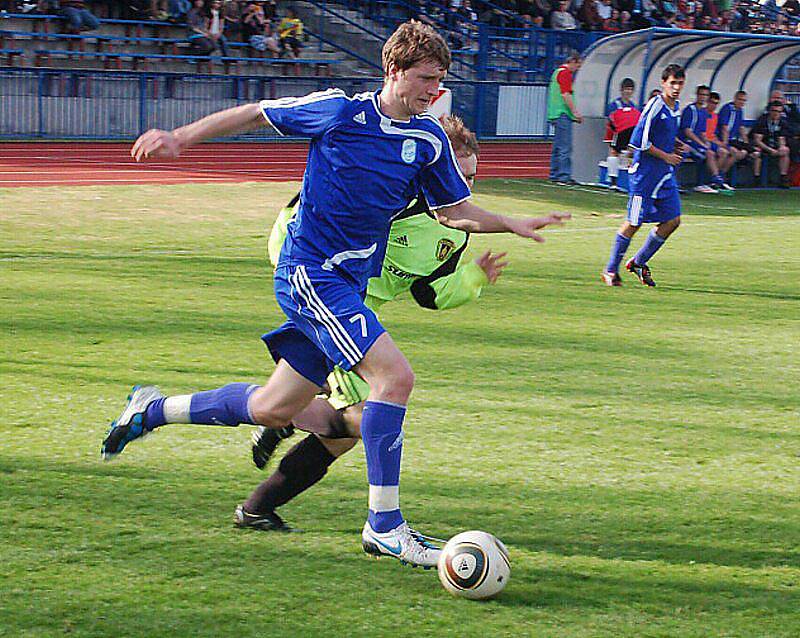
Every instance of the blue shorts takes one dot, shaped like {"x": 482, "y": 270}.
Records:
{"x": 699, "y": 152}
{"x": 653, "y": 208}
{"x": 328, "y": 323}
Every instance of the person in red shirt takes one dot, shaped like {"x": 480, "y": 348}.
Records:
{"x": 622, "y": 117}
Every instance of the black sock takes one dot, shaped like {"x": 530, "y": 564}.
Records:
{"x": 303, "y": 466}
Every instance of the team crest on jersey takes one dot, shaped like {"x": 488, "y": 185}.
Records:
{"x": 409, "y": 152}
{"x": 444, "y": 249}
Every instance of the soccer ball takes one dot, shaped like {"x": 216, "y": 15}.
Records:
{"x": 474, "y": 565}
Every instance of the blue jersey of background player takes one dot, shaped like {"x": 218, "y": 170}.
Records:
{"x": 694, "y": 121}
{"x": 653, "y": 188}
{"x": 369, "y": 154}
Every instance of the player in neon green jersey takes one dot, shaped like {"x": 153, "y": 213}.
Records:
{"x": 423, "y": 258}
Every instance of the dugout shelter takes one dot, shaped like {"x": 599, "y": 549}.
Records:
{"x": 727, "y": 62}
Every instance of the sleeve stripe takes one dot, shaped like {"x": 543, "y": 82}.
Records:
{"x": 649, "y": 112}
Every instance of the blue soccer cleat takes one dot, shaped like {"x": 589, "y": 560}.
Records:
{"x": 130, "y": 425}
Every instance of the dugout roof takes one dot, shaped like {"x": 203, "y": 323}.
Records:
{"x": 727, "y": 62}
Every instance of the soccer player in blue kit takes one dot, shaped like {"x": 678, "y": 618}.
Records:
{"x": 370, "y": 154}
{"x": 653, "y": 186}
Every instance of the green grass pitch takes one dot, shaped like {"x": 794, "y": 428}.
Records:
{"x": 636, "y": 449}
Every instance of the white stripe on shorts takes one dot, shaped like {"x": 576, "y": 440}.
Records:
{"x": 636, "y": 209}
{"x": 341, "y": 339}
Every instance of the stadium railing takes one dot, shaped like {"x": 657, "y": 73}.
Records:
{"x": 94, "y": 104}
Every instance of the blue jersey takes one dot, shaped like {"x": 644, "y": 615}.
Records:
{"x": 695, "y": 119}
{"x": 731, "y": 117}
{"x": 362, "y": 168}
{"x": 658, "y": 126}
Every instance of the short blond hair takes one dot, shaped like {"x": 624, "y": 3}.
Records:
{"x": 414, "y": 42}
{"x": 461, "y": 138}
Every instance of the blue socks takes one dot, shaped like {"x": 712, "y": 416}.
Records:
{"x": 621, "y": 244}
{"x": 224, "y": 406}
{"x": 382, "y": 434}
{"x": 651, "y": 245}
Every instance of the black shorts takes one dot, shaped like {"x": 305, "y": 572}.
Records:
{"x": 742, "y": 146}
{"x": 621, "y": 140}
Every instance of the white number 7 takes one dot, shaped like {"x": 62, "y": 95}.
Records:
{"x": 363, "y": 320}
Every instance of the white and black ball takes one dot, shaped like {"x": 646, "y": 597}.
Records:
{"x": 474, "y": 565}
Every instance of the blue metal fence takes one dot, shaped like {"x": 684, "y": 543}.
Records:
{"x": 81, "y": 104}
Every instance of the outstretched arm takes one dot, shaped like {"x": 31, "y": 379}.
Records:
{"x": 169, "y": 144}
{"x": 467, "y": 216}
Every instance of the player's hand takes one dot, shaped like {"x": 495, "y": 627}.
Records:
{"x": 491, "y": 265}
{"x": 156, "y": 143}
{"x": 526, "y": 227}
{"x": 579, "y": 118}
{"x": 674, "y": 158}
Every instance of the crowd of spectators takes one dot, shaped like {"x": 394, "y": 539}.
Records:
{"x": 268, "y": 28}
{"x": 613, "y": 16}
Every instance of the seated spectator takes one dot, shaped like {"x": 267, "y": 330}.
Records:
{"x": 604, "y": 9}
{"x": 290, "y": 30}
{"x": 177, "y": 10}
{"x": 257, "y": 30}
{"x": 561, "y": 19}
{"x": 216, "y": 27}
{"x": 589, "y": 16}
{"x": 232, "y": 15}
{"x": 625, "y": 21}
{"x": 769, "y": 135}
{"x": 792, "y": 8}
{"x": 791, "y": 114}
{"x": 612, "y": 24}
{"x": 197, "y": 25}
{"x": 78, "y": 17}
{"x": 158, "y": 10}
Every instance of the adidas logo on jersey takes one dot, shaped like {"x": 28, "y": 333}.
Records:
{"x": 360, "y": 117}
{"x": 402, "y": 240}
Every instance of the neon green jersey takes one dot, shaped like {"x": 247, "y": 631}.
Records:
{"x": 422, "y": 258}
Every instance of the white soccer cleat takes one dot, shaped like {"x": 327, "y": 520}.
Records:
{"x": 402, "y": 543}
{"x": 705, "y": 188}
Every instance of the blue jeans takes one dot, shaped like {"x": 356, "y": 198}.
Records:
{"x": 561, "y": 157}
{"x": 80, "y": 19}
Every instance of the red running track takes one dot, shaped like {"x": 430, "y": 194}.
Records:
{"x": 86, "y": 164}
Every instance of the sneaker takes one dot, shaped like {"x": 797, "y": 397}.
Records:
{"x": 705, "y": 188}
{"x": 611, "y": 278}
{"x": 642, "y": 272}
{"x": 785, "y": 183}
{"x": 130, "y": 425}
{"x": 266, "y": 522}
{"x": 726, "y": 187}
{"x": 408, "y": 546}
{"x": 265, "y": 441}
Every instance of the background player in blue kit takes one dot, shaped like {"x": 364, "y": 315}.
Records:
{"x": 370, "y": 154}
{"x": 653, "y": 188}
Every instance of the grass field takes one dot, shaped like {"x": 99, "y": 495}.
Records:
{"x": 636, "y": 449}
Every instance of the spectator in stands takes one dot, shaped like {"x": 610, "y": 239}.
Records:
{"x": 197, "y": 25}
{"x": 258, "y": 30}
{"x": 561, "y": 19}
{"x": 290, "y": 31}
{"x": 561, "y": 113}
{"x": 78, "y": 17}
{"x": 158, "y": 10}
{"x": 791, "y": 8}
{"x": 178, "y": 10}
{"x": 215, "y": 26}
{"x": 732, "y": 133}
{"x": 589, "y": 16}
{"x": 769, "y": 134}
{"x": 622, "y": 117}
{"x": 232, "y": 15}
